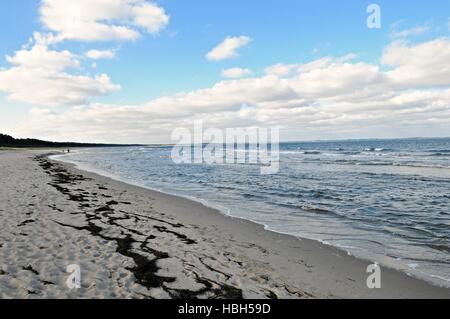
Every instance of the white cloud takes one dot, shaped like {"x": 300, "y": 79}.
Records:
{"x": 102, "y": 20}
{"x": 43, "y": 76}
{"x": 426, "y": 64}
{"x": 416, "y": 31}
{"x": 39, "y": 57}
{"x": 100, "y": 54}
{"x": 44, "y": 39}
{"x": 332, "y": 97}
{"x": 235, "y": 73}
{"x": 281, "y": 69}
{"x": 149, "y": 16}
{"x": 228, "y": 48}
{"x": 39, "y": 76}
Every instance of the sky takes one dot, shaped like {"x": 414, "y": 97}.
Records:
{"x": 133, "y": 71}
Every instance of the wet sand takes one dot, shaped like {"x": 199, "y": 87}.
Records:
{"x": 132, "y": 242}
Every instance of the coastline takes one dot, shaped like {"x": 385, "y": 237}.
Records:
{"x": 206, "y": 253}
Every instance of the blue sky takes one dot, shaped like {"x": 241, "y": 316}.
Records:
{"x": 172, "y": 60}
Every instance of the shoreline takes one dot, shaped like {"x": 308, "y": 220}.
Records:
{"x": 334, "y": 250}
{"x": 214, "y": 254}
{"x": 222, "y": 211}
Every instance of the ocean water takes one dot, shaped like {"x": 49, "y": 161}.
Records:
{"x": 384, "y": 200}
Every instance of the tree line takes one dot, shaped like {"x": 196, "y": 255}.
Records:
{"x": 9, "y": 141}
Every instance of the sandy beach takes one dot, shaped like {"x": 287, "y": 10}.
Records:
{"x": 132, "y": 242}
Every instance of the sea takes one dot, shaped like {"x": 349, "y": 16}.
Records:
{"x": 383, "y": 200}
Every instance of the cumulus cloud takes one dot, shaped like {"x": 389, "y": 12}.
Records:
{"x": 235, "y": 73}
{"x": 227, "y": 49}
{"x": 40, "y": 76}
{"x": 100, "y": 54}
{"x": 426, "y": 64}
{"x": 102, "y": 20}
{"x": 39, "y": 57}
{"x": 281, "y": 69}
{"x": 332, "y": 97}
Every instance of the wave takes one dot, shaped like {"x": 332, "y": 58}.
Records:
{"x": 374, "y": 149}
{"x": 444, "y": 248}
{"x": 312, "y": 153}
{"x": 440, "y": 151}
{"x": 441, "y": 154}
{"x": 375, "y": 163}
{"x": 301, "y": 152}
{"x": 389, "y": 163}
{"x": 422, "y": 166}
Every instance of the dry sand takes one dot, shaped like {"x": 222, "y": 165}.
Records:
{"x": 131, "y": 242}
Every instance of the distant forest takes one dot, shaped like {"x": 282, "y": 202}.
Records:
{"x": 9, "y": 141}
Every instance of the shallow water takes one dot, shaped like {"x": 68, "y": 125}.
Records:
{"x": 385, "y": 200}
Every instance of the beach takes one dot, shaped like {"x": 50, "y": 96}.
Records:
{"x": 132, "y": 242}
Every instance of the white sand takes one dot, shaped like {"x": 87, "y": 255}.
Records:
{"x": 135, "y": 243}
